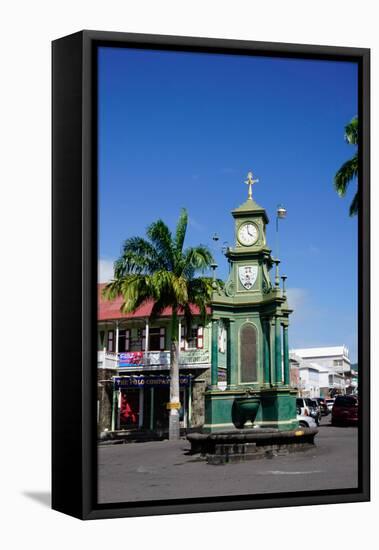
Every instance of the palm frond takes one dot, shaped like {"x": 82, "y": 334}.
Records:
{"x": 138, "y": 256}
{"x": 161, "y": 238}
{"x": 169, "y": 285}
{"x": 347, "y": 172}
{"x": 197, "y": 258}
{"x": 159, "y": 270}
{"x": 200, "y": 292}
{"x": 134, "y": 289}
{"x": 188, "y": 320}
{"x": 181, "y": 229}
{"x": 351, "y": 131}
{"x": 354, "y": 205}
{"x": 159, "y": 306}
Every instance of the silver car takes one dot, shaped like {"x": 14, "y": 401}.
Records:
{"x": 306, "y": 421}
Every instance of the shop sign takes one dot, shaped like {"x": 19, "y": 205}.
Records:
{"x": 131, "y": 359}
{"x": 170, "y": 406}
{"x": 149, "y": 381}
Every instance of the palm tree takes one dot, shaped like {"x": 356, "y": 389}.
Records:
{"x": 160, "y": 269}
{"x": 349, "y": 170}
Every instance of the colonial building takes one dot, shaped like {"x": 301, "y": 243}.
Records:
{"x": 134, "y": 364}
{"x": 323, "y": 371}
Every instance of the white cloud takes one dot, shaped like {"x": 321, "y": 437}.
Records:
{"x": 298, "y": 300}
{"x": 104, "y": 270}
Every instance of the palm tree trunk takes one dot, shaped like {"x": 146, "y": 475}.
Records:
{"x": 174, "y": 427}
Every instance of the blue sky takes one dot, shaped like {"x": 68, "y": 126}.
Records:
{"x": 179, "y": 129}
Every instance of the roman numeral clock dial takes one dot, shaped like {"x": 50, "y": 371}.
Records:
{"x": 248, "y": 234}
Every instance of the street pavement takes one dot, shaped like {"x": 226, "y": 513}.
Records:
{"x": 157, "y": 470}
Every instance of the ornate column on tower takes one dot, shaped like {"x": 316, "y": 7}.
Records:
{"x": 253, "y": 310}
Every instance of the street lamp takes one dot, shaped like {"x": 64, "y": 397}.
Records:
{"x": 214, "y": 267}
{"x": 281, "y": 213}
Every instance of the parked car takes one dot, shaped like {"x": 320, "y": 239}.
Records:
{"x": 323, "y": 406}
{"x": 345, "y": 410}
{"x": 314, "y": 409}
{"x": 302, "y": 406}
{"x": 305, "y": 421}
{"x": 308, "y": 407}
{"x": 329, "y": 403}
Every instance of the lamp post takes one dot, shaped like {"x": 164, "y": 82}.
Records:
{"x": 281, "y": 213}
{"x": 214, "y": 267}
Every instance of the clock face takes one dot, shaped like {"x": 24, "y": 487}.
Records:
{"x": 248, "y": 234}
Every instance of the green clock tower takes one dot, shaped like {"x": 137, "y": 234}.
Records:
{"x": 252, "y": 312}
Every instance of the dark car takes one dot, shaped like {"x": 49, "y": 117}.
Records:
{"x": 323, "y": 406}
{"x": 345, "y": 410}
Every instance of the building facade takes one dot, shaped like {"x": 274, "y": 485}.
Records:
{"x": 323, "y": 371}
{"x": 133, "y": 365}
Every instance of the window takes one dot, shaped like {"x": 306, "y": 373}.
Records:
{"x": 192, "y": 338}
{"x": 346, "y": 401}
{"x": 337, "y": 362}
{"x": 101, "y": 339}
{"x": 195, "y": 339}
{"x": 110, "y": 340}
{"x": 124, "y": 340}
{"x": 157, "y": 338}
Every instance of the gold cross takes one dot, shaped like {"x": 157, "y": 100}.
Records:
{"x": 250, "y": 182}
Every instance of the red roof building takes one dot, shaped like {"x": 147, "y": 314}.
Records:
{"x": 110, "y": 309}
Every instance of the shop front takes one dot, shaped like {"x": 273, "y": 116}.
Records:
{"x": 140, "y": 402}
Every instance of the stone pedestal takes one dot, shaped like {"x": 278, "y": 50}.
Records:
{"x": 240, "y": 445}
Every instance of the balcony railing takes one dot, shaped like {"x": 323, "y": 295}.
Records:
{"x": 107, "y": 359}
{"x": 151, "y": 359}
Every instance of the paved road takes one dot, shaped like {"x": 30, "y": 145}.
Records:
{"x": 164, "y": 470}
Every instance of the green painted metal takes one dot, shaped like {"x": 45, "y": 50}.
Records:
{"x": 278, "y": 352}
{"x": 266, "y": 353}
{"x": 286, "y": 356}
{"x": 214, "y": 364}
{"x": 228, "y": 352}
{"x": 233, "y": 365}
{"x": 245, "y": 409}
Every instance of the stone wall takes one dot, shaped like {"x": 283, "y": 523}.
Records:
{"x": 104, "y": 397}
{"x": 199, "y": 385}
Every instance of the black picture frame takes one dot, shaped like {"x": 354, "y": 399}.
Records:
{"x": 74, "y": 205}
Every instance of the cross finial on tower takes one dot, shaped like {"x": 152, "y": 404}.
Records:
{"x": 250, "y": 182}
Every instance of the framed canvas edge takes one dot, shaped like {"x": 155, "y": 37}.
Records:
{"x": 83, "y": 503}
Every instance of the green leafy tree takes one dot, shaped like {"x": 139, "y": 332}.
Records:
{"x": 160, "y": 269}
{"x": 349, "y": 170}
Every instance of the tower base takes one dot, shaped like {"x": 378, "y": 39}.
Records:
{"x": 276, "y": 410}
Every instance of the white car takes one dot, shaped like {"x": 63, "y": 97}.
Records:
{"x": 329, "y": 404}
{"x": 306, "y": 421}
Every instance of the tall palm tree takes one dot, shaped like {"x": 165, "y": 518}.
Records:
{"x": 349, "y": 170}
{"x": 159, "y": 268}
